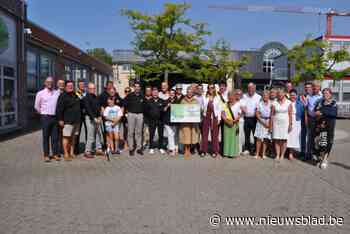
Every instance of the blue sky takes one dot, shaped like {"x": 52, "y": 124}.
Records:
{"x": 98, "y": 23}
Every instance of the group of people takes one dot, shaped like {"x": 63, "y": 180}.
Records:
{"x": 279, "y": 122}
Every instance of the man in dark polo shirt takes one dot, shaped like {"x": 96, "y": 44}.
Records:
{"x": 68, "y": 112}
{"x": 134, "y": 105}
{"x": 105, "y": 94}
{"x": 154, "y": 111}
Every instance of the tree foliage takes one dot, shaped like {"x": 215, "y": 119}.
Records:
{"x": 101, "y": 54}
{"x": 317, "y": 59}
{"x": 169, "y": 41}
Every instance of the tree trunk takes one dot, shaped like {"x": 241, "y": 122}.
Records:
{"x": 166, "y": 74}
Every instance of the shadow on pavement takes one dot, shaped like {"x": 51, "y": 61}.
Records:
{"x": 34, "y": 126}
{"x": 301, "y": 158}
{"x": 346, "y": 167}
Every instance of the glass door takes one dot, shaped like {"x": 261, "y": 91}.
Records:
{"x": 8, "y": 97}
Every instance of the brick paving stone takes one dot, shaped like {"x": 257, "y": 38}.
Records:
{"x": 161, "y": 195}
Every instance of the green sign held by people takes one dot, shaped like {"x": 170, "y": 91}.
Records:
{"x": 185, "y": 113}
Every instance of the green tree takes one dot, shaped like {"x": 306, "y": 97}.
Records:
{"x": 169, "y": 41}
{"x": 316, "y": 60}
{"x": 101, "y": 54}
{"x": 218, "y": 64}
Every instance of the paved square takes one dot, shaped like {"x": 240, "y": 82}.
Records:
{"x": 162, "y": 195}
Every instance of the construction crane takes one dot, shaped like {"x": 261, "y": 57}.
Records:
{"x": 329, "y": 12}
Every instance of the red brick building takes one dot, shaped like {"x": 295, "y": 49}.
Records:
{"x": 30, "y": 53}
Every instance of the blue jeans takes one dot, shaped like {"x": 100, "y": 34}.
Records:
{"x": 311, "y": 134}
{"x": 49, "y": 126}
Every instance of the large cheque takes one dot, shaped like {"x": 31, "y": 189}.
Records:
{"x": 185, "y": 113}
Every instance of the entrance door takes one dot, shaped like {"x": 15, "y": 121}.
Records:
{"x": 8, "y": 97}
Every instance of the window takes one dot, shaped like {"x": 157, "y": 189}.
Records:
{"x": 100, "y": 84}
{"x": 68, "y": 72}
{"x": 96, "y": 82}
{"x": 105, "y": 80}
{"x": 45, "y": 69}
{"x": 9, "y": 72}
{"x": 346, "y": 97}
{"x": 9, "y": 95}
{"x": 268, "y": 59}
{"x": 126, "y": 67}
{"x": 8, "y": 100}
{"x": 32, "y": 72}
{"x": 84, "y": 74}
{"x": 268, "y": 65}
{"x": 77, "y": 77}
{"x": 335, "y": 96}
{"x": 77, "y": 74}
{"x": 346, "y": 91}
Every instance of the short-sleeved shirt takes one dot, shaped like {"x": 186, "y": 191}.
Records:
{"x": 134, "y": 103}
{"x": 112, "y": 112}
{"x": 250, "y": 103}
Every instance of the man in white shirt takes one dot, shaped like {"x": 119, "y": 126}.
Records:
{"x": 200, "y": 94}
{"x": 249, "y": 104}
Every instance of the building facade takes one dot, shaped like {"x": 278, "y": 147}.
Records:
{"x": 261, "y": 65}
{"x": 28, "y": 55}
{"x": 123, "y": 74}
{"x": 12, "y": 64}
{"x": 285, "y": 70}
{"x": 49, "y": 55}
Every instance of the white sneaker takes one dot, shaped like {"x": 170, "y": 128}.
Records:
{"x": 246, "y": 152}
{"x": 151, "y": 151}
{"x": 162, "y": 151}
{"x": 324, "y": 164}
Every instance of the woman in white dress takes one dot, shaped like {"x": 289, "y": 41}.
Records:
{"x": 262, "y": 130}
{"x": 281, "y": 122}
{"x": 294, "y": 136}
